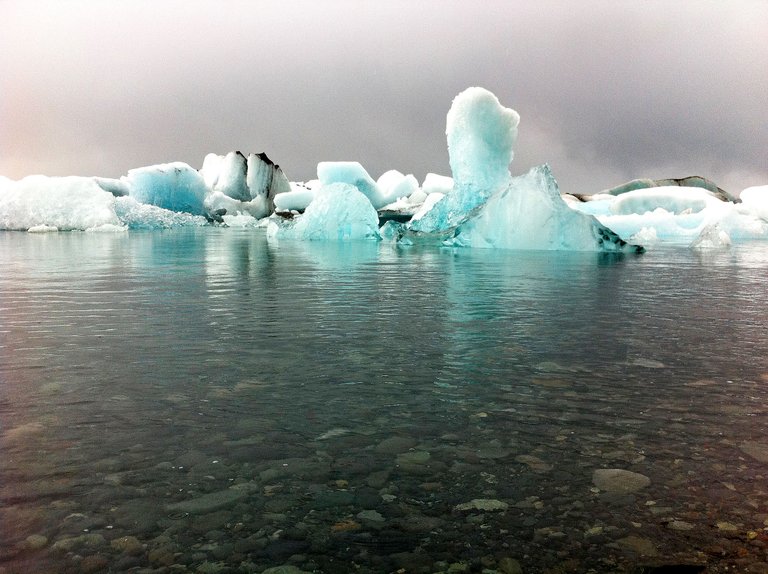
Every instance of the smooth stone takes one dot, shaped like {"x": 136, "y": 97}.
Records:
{"x": 285, "y": 569}
{"x": 127, "y": 545}
{"x": 378, "y": 479}
{"x": 84, "y": 540}
{"x": 534, "y": 463}
{"x": 509, "y": 565}
{"x": 493, "y": 452}
{"x": 413, "y": 457}
{"x": 333, "y": 499}
{"x": 641, "y": 546}
{"x": 482, "y": 504}
{"x": 211, "y": 501}
{"x": 618, "y": 481}
{"x": 395, "y": 445}
{"x": 35, "y": 541}
{"x": 681, "y": 525}
{"x": 757, "y": 450}
{"x": 370, "y": 518}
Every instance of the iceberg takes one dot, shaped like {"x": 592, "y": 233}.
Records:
{"x": 676, "y": 214}
{"x": 265, "y": 180}
{"x": 711, "y": 237}
{"x": 530, "y": 214}
{"x": 352, "y": 173}
{"x": 298, "y": 198}
{"x": 231, "y": 180}
{"x": 434, "y": 183}
{"x": 135, "y": 215}
{"x": 755, "y": 199}
{"x": 339, "y": 212}
{"x": 173, "y": 186}
{"x": 395, "y": 186}
{"x": 41, "y": 203}
{"x": 689, "y": 181}
{"x": 488, "y": 208}
{"x": 676, "y": 200}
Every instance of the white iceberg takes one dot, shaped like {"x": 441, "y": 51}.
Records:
{"x": 339, "y": 212}
{"x": 231, "y": 180}
{"x": 352, "y": 173}
{"x": 676, "y": 200}
{"x": 675, "y": 214}
{"x": 395, "y": 186}
{"x": 755, "y": 199}
{"x": 434, "y": 183}
{"x": 42, "y": 203}
{"x": 298, "y": 198}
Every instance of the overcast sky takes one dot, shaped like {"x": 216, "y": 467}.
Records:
{"x": 607, "y": 90}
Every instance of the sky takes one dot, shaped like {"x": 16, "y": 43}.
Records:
{"x": 607, "y": 90}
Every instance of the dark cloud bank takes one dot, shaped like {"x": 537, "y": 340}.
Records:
{"x": 607, "y": 91}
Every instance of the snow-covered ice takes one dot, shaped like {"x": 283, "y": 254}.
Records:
{"x": 676, "y": 214}
{"x": 66, "y": 203}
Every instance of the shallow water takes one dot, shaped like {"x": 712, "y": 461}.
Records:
{"x": 206, "y": 401}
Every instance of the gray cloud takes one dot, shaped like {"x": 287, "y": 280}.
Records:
{"x": 607, "y": 91}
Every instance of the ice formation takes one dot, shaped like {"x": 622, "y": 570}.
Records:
{"x": 675, "y": 214}
{"x": 755, "y": 199}
{"x": 480, "y": 205}
{"x": 486, "y": 207}
{"x": 61, "y": 203}
{"x": 711, "y": 237}
{"x": 530, "y": 214}
{"x": 352, "y": 173}
{"x": 339, "y": 212}
{"x": 173, "y": 186}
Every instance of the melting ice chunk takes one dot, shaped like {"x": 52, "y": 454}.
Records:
{"x": 481, "y": 137}
{"x": 174, "y": 186}
{"x": 530, "y": 214}
{"x": 339, "y": 212}
{"x": 711, "y": 237}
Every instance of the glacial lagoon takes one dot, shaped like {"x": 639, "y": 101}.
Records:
{"x": 202, "y": 400}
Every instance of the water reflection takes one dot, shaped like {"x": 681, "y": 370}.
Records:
{"x": 203, "y": 400}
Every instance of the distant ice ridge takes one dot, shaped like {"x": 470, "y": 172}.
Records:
{"x": 480, "y": 205}
{"x": 681, "y": 214}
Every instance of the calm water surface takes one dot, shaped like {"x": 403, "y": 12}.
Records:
{"x": 206, "y": 401}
